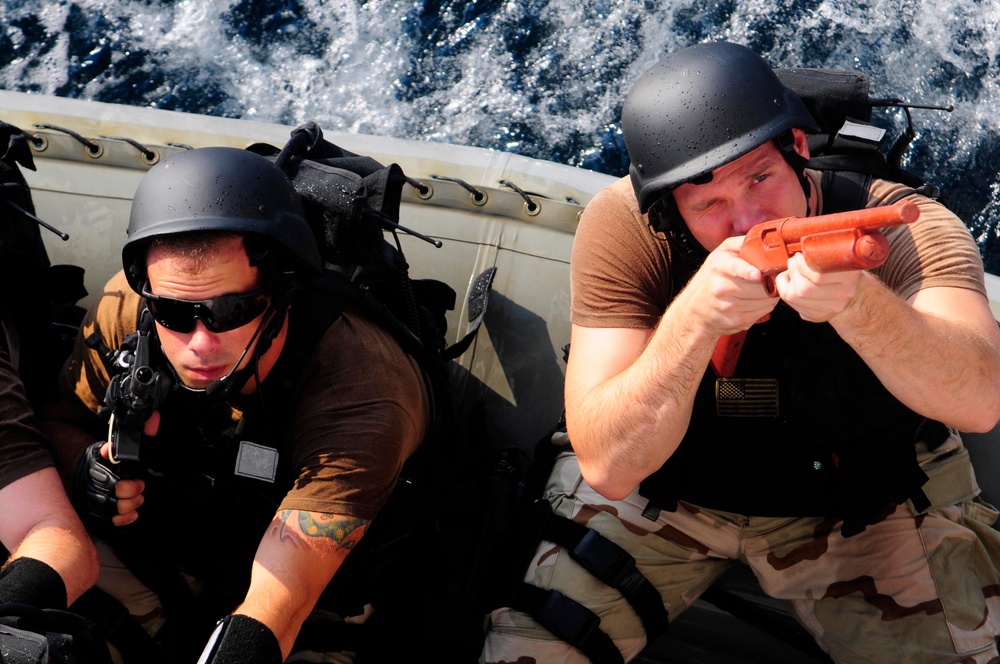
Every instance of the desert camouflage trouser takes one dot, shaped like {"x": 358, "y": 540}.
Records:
{"x": 908, "y": 589}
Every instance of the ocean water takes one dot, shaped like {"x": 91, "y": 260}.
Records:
{"x": 542, "y": 78}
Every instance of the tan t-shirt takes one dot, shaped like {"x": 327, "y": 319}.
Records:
{"x": 363, "y": 410}
{"x": 620, "y": 269}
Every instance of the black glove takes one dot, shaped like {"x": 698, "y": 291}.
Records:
{"x": 94, "y": 490}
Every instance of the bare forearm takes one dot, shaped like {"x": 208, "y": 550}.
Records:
{"x": 66, "y": 548}
{"x": 628, "y": 426}
{"x": 299, "y": 554}
{"x": 941, "y": 366}
{"x": 272, "y": 603}
{"x": 39, "y": 522}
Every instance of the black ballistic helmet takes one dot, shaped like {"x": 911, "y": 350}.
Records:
{"x": 699, "y": 108}
{"x": 220, "y": 189}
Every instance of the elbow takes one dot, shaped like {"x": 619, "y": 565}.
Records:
{"x": 604, "y": 479}
{"x": 984, "y": 416}
{"x": 985, "y": 420}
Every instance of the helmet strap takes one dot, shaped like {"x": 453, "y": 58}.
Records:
{"x": 665, "y": 218}
{"x": 268, "y": 328}
{"x": 786, "y": 146}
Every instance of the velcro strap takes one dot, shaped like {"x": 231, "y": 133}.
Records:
{"x": 569, "y": 620}
{"x": 613, "y": 565}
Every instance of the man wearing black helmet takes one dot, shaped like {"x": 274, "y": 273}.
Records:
{"x": 844, "y": 485}
{"x": 316, "y": 416}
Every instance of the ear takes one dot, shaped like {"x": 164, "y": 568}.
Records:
{"x": 256, "y": 248}
{"x": 801, "y": 145}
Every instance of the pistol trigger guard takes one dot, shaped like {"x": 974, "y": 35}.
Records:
{"x": 769, "y": 287}
{"x": 111, "y": 430}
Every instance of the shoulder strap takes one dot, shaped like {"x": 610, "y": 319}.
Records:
{"x": 316, "y": 310}
{"x": 844, "y": 190}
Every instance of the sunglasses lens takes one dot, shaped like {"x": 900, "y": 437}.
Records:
{"x": 232, "y": 311}
{"x": 174, "y": 315}
{"x": 219, "y": 314}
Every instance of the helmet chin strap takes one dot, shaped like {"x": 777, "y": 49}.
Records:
{"x": 268, "y": 328}
{"x": 798, "y": 163}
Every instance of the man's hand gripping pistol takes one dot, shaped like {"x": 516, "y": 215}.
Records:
{"x": 829, "y": 243}
{"x": 136, "y": 390}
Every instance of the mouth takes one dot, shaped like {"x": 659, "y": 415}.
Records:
{"x": 199, "y": 377}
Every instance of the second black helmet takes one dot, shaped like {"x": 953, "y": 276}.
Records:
{"x": 220, "y": 189}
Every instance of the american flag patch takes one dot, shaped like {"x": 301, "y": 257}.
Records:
{"x": 746, "y": 397}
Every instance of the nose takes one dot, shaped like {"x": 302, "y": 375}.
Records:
{"x": 202, "y": 338}
{"x": 746, "y": 217}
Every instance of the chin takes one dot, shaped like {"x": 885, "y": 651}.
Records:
{"x": 196, "y": 383}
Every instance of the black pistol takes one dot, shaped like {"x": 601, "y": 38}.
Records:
{"x": 135, "y": 391}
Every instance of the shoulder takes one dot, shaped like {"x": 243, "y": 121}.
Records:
{"x": 619, "y": 269}
{"x": 357, "y": 356}
{"x": 612, "y": 226}
{"x": 116, "y": 312}
{"x": 935, "y": 250}
{"x": 113, "y": 316}
{"x": 616, "y": 201}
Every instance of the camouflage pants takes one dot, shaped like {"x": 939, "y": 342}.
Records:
{"x": 909, "y": 589}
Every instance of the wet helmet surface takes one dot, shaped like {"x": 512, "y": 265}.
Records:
{"x": 219, "y": 189}
{"x": 700, "y": 108}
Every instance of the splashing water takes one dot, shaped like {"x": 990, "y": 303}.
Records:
{"x": 542, "y": 78}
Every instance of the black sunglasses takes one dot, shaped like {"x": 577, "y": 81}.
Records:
{"x": 219, "y": 314}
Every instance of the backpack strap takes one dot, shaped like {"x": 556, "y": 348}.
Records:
{"x": 844, "y": 190}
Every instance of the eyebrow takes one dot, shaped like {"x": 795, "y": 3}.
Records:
{"x": 762, "y": 162}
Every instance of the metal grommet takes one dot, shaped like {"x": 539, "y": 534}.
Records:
{"x": 93, "y": 150}
{"x": 39, "y": 143}
{"x": 479, "y": 198}
{"x": 531, "y": 208}
{"x": 424, "y": 191}
{"x": 150, "y": 157}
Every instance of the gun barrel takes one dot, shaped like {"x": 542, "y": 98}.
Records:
{"x": 794, "y": 229}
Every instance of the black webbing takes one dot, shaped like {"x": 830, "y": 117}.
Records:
{"x": 614, "y": 566}
{"x": 569, "y": 620}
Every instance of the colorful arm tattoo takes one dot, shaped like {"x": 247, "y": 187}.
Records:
{"x": 316, "y": 524}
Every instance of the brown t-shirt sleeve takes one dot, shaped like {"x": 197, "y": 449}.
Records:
{"x": 936, "y": 250}
{"x": 362, "y": 411}
{"x": 618, "y": 270}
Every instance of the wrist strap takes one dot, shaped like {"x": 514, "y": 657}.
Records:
{"x": 240, "y": 639}
{"x": 30, "y": 581}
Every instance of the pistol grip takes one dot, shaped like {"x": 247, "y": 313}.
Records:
{"x": 727, "y": 354}
{"x": 124, "y": 446}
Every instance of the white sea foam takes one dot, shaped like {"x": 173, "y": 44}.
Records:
{"x": 543, "y": 78}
